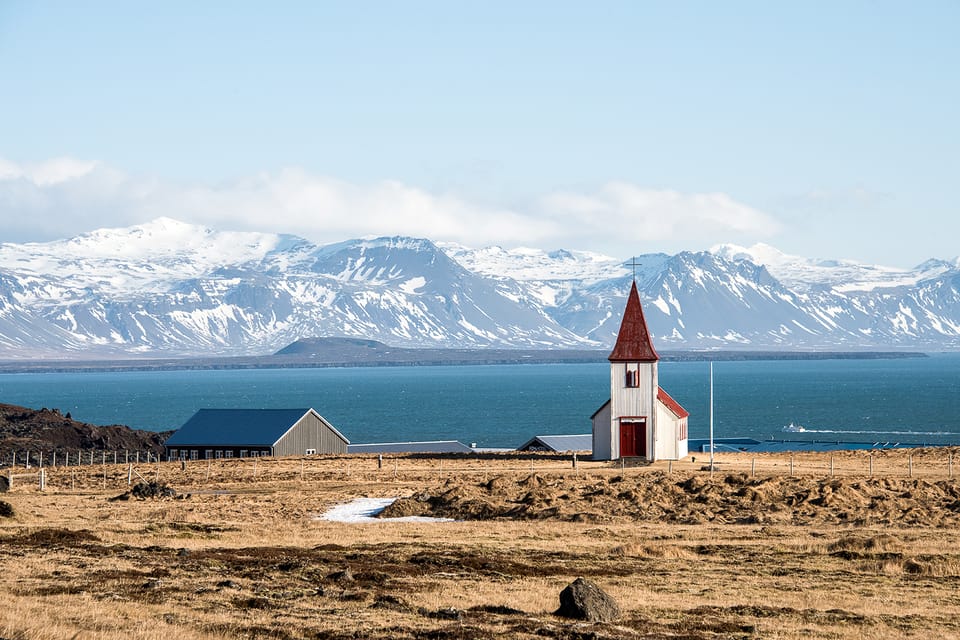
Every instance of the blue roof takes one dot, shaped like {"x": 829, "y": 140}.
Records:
{"x": 236, "y": 427}
{"x": 430, "y": 446}
{"x": 578, "y": 442}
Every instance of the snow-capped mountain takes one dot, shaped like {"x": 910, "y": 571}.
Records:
{"x": 171, "y": 288}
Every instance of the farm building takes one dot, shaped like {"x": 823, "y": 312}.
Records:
{"x": 640, "y": 419}
{"x": 558, "y": 444}
{"x": 427, "y": 446}
{"x": 242, "y": 433}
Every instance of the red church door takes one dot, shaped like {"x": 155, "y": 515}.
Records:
{"x": 633, "y": 438}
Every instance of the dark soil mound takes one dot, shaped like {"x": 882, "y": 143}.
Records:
{"x": 49, "y": 430}
{"x": 693, "y": 499}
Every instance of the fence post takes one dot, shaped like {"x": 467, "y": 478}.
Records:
{"x": 669, "y": 466}
{"x": 379, "y": 461}
{"x": 138, "y": 457}
{"x": 43, "y": 478}
{"x": 54, "y": 463}
{"x": 753, "y": 466}
{"x": 40, "y": 462}
{"x": 130, "y": 475}
{"x": 574, "y": 459}
{"x": 114, "y": 457}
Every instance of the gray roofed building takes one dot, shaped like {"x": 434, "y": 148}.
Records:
{"x": 559, "y": 444}
{"x": 430, "y": 446}
{"x": 239, "y": 433}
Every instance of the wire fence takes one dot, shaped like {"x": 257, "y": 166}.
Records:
{"x": 120, "y": 469}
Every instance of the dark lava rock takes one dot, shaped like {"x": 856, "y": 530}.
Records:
{"x": 584, "y": 600}
{"x": 144, "y": 490}
{"x": 6, "y": 509}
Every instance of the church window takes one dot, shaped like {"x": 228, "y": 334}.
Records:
{"x": 632, "y": 378}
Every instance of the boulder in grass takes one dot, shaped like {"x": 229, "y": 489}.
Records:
{"x": 584, "y": 600}
{"x": 6, "y": 509}
{"x": 4, "y": 484}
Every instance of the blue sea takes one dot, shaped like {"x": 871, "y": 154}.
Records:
{"x": 913, "y": 400}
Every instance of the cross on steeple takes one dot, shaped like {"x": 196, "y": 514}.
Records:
{"x": 633, "y": 263}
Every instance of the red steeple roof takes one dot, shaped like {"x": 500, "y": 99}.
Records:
{"x": 633, "y": 341}
{"x": 671, "y": 404}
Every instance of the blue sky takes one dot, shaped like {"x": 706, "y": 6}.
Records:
{"x": 826, "y": 129}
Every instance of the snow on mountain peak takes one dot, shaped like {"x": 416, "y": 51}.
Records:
{"x": 808, "y": 273}
{"x": 125, "y": 259}
{"x": 528, "y": 264}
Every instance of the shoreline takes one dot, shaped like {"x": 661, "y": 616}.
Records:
{"x": 420, "y": 358}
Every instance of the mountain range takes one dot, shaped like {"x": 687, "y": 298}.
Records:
{"x": 176, "y": 289}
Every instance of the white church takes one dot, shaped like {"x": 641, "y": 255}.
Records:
{"x": 640, "y": 420}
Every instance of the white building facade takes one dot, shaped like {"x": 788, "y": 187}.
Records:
{"x": 640, "y": 420}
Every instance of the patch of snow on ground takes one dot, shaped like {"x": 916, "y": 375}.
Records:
{"x": 364, "y": 510}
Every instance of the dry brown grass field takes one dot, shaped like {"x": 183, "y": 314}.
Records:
{"x": 846, "y": 545}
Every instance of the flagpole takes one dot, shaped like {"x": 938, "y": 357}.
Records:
{"x": 711, "y": 415}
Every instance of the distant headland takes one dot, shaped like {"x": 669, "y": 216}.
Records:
{"x": 354, "y": 352}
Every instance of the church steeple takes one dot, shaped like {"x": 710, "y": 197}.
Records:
{"x": 633, "y": 341}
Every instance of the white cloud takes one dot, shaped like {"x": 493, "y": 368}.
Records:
{"x": 64, "y": 197}
{"x": 634, "y": 218}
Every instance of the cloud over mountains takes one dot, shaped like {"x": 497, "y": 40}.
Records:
{"x": 62, "y": 197}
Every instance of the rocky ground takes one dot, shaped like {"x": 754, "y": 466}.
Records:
{"x": 48, "y": 430}
{"x": 237, "y": 549}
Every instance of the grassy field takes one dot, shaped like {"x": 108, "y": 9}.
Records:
{"x": 748, "y": 551}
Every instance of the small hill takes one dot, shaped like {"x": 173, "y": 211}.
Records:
{"x": 49, "y": 430}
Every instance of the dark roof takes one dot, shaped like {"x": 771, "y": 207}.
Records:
{"x": 578, "y": 442}
{"x": 633, "y": 340}
{"x": 671, "y": 404}
{"x": 430, "y": 446}
{"x": 237, "y": 427}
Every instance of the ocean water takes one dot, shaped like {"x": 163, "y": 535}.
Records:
{"x": 903, "y": 400}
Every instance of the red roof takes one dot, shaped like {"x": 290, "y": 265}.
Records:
{"x": 633, "y": 341}
{"x": 671, "y": 404}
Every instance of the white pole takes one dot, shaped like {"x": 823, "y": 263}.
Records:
{"x": 711, "y": 415}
